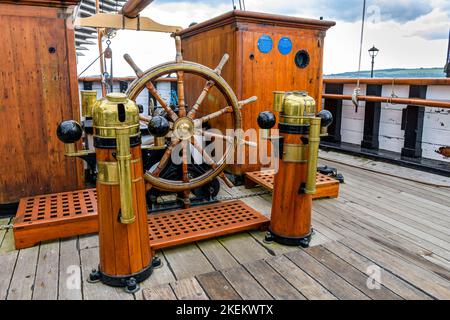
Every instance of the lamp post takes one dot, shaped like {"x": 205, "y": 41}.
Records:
{"x": 373, "y": 52}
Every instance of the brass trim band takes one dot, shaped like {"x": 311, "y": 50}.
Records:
{"x": 110, "y": 132}
{"x": 296, "y": 153}
{"x": 108, "y": 172}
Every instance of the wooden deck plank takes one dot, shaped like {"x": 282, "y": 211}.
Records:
{"x": 47, "y": 272}
{"x": 7, "y": 264}
{"x": 244, "y": 248}
{"x": 398, "y": 205}
{"x": 298, "y": 278}
{"x": 161, "y": 292}
{"x": 392, "y": 176}
{"x": 3, "y": 221}
{"x": 395, "y": 284}
{"x": 421, "y": 278}
{"x": 386, "y": 184}
{"x": 437, "y": 194}
{"x": 217, "y": 255}
{"x": 8, "y": 242}
{"x": 402, "y": 197}
{"x": 188, "y": 289}
{"x": 353, "y": 224}
{"x": 352, "y": 275}
{"x": 326, "y": 277}
{"x": 245, "y": 285}
{"x": 217, "y": 287}
{"x": 70, "y": 280}
{"x": 88, "y": 241}
{"x": 274, "y": 247}
{"x": 272, "y": 281}
{"x": 187, "y": 261}
{"x": 21, "y": 287}
{"x": 98, "y": 291}
{"x": 160, "y": 276}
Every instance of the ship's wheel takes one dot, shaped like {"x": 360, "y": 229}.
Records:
{"x": 183, "y": 127}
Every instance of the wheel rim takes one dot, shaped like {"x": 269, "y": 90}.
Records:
{"x": 208, "y": 74}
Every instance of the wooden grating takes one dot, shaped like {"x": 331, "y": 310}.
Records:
{"x": 327, "y": 187}
{"x": 68, "y": 214}
{"x": 203, "y": 222}
{"x": 54, "y": 216}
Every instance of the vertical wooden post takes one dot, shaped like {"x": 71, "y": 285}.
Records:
{"x": 372, "y": 117}
{"x": 100, "y": 51}
{"x": 335, "y": 107}
{"x": 412, "y": 123}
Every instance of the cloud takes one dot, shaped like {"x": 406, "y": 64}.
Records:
{"x": 434, "y": 26}
{"x": 401, "y": 11}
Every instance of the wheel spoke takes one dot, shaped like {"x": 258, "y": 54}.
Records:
{"x": 165, "y": 158}
{"x": 211, "y": 162}
{"x": 214, "y": 135}
{"x": 205, "y": 156}
{"x": 149, "y": 85}
{"x": 209, "y": 84}
{"x": 161, "y": 101}
{"x": 180, "y": 90}
{"x": 215, "y": 114}
{"x": 185, "y": 162}
{"x": 186, "y": 201}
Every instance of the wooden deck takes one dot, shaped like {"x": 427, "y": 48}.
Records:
{"x": 395, "y": 230}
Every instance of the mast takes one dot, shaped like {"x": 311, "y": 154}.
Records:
{"x": 100, "y": 50}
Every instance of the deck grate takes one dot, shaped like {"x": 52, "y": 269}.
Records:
{"x": 56, "y": 206}
{"x": 74, "y": 213}
{"x": 198, "y": 223}
{"x": 326, "y": 186}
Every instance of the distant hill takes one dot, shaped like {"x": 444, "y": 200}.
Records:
{"x": 394, "y": 73}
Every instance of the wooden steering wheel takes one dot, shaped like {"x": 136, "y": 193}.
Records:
{"x": 186, "y": 127}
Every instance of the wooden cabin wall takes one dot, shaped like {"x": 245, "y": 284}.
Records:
{"x": 38, "y": 83}
{"x": 251, "y": 72}
{"x": 208, "y": 49}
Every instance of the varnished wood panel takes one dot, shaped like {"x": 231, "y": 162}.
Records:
{"x": 250, "y": 72}
{"x": 124, "y": 248}
{"x": 38, "y": 90}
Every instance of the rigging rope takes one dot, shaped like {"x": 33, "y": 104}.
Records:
{"x": 101, "y": 54}
{"x": 357, "y": 90}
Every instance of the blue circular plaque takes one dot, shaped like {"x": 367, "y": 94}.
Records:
{"x": 285, "y": 46}
{"x": 265, "y": 44}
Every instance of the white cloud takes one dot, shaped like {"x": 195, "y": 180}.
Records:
{"x": 401, "y": 44}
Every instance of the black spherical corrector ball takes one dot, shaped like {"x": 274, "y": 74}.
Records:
{"x": 158, "y": 126}
{"x": 266, "y": 120}
{"x": 69, "y": 131}
{"x": 327, "y": 118}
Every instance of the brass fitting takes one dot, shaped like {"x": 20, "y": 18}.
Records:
{"x": 70, "y": 150}
{"x": 124, "y": 165}
{"x": 116, "y": 119}
{"x": 88, "y": 100}
{"x": 314, "y": 141}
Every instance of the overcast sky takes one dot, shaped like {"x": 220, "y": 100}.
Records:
{"x": 409, "y": 33}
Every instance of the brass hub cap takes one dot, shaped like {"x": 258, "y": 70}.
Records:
{"x": 183, "y": 128}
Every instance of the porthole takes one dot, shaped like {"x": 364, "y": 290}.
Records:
{"x": 302, "y": 59}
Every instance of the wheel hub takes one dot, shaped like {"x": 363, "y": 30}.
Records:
{"x": 183, "y": 128}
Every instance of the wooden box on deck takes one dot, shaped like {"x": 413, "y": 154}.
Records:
{"x": 38, "y": 89}
{"x": 249, "y": 71}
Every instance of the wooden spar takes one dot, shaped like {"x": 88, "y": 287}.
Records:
{"x": 100, "y": 51}
{"x": 391, "y": 81}
{"x": 409, "y": 101}
{"x": 132, "y": 8}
